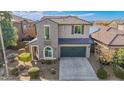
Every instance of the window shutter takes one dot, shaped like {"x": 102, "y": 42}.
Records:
{"x": 82, "y": 29}
{"x": 72, "y": 29}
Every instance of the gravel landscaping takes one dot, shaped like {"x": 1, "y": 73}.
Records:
{"x": 46, "y": 70}
{"x": 108, "y": 68}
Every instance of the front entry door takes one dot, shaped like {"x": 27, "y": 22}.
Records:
{"x": 35, "y": 53}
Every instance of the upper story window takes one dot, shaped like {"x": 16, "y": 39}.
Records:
{"x": 78, "y": 29}
{"x": 46, "y": 32}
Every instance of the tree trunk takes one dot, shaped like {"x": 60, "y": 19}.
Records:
{"x": 1, "y": 56}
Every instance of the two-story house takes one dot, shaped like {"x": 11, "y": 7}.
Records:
{"x": 119, "y": 24}
{"x": 61, "y": 36}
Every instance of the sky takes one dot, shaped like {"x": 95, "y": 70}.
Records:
{"x": 87, "y": 15}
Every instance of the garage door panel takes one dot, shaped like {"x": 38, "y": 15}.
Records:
{"x": 73, "y": 51}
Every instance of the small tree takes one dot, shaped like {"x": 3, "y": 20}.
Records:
{"x": 9, "y": 32}
{"x": 25, "y": 57}
{"x": 118, "y": 57}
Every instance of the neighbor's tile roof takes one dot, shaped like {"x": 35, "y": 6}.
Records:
{"x": 75, "y": 41}
{"x": 118, "y": 21}
{"x": 119, "y": 40}
{"x": 18, "y": 19}
{"x": 109, "y": 36}
{"x": 66, "y": 19}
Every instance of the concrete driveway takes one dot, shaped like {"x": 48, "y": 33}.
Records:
{"x": 74, "y": 68}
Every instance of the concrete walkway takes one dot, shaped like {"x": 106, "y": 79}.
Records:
{"x": 74, "y": 68}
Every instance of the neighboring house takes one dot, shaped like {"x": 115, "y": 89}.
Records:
{"x": 119, "y": 24}
{"x": 61, "y": 36}
{"x": 25, "y": 28}
{"x": 107, "y": 40}
{"x": 101, "y": 23}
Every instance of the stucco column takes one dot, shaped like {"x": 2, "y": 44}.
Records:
{"x": 88, "y": 51}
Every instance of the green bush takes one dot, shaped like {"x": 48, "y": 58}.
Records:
{"x": 101, "y": 73}
{"x": 34, "y": 72}
{"x": 118, "y": 71}
{"x": 25, "y": 57}
{"x": 14, "y": 72}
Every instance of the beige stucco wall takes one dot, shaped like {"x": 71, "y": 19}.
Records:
{"x": 53, "y": 35}
{"x": 57, "y": 31}
{"x": 65, "y": 31}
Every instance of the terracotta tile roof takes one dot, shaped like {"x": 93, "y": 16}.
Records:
{"x": 119, "y": 40}
{"x": 66, "y": 19}
{"x": 18, "y": 19}
{"x": 118, "y": 21}
{"x": 109, "y": 36}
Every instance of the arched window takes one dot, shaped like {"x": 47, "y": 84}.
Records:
{"x": 48, "y": 52}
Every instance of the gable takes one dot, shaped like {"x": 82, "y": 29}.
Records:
{"x": 66, "y": 20}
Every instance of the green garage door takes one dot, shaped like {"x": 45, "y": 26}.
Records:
{"x": 73, "y": 51}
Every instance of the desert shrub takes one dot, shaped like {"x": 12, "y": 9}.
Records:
{"x": 14, "y": 72}
{"x": 118, "y": 71}
{"x": 53, "y": 71}
{"x": 25, "y": 57}
{"x": 118, "y": 63}
{"x": 118, "y": 57}
{"x": 11, "y": 57}
{"x": 104, "y": 60}
{"x": 34, "y": 72}
{"x": 101, "y": 73}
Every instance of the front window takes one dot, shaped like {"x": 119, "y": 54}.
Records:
{"x": 46, "y": 33}
{"x": 77, "y": 29}
{"x": 48, "y": 52}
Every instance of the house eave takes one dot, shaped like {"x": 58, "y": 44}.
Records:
{"x": 75, "y": 41}
{"x": 32, "y": 41}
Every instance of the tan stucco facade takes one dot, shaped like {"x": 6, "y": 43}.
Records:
{"x": 57, "y": 31}
{"x": 65, "y": 31}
